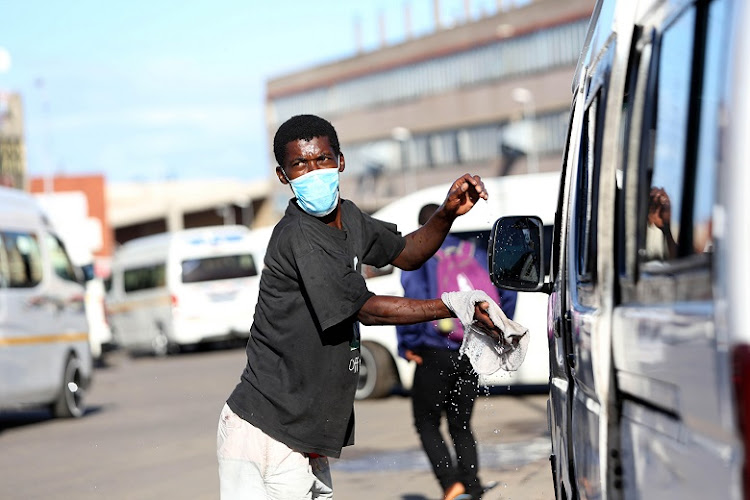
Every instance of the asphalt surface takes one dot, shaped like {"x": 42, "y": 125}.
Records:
{"x": 150, "y": 433}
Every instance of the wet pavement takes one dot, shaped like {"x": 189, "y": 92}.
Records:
{"x": 387, "y": 461}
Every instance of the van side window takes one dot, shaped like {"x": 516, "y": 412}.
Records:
{"x": 686, "y": 128}
{"x": 61, "y": 264}
{"x": 144, "y": 278}
{"x": 665, "y": 175}
{"x": 626, "y": 124}
{"x": 24, "y": 259}
{"x": 556, "y": 236}
{"x": 712, "y": 106}
{"x": 218, "y": 268}
{"x": 4, "y": 271}
{"x": 587, "y": 191}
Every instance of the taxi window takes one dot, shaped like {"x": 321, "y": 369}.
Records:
{"x": 222, "y": 267}
{"x": 24, "y": 259}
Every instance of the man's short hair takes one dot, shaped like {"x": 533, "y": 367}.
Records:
{"x": 303, "y": 127}
{"x": 426, "y": 213}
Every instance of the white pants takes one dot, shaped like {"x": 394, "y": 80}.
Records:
{"x": 252, "y": 465}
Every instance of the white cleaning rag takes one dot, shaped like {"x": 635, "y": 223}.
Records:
{"x": 486, "y": 354}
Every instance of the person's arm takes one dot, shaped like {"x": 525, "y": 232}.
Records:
{"x": 390, "y": 310}
{"x": 425, "y": 241}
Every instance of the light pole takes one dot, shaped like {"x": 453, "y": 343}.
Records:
{"x": 5, "y": 177}
{"x": 4, "y": 67}
{"x": 4, "y": 60}
{"x": 525, "y": 97}
{"x": 49, "y": 177}
{"x": 403, "y": 135}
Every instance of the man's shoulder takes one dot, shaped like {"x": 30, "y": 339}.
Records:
{"x": 285, "y": 233}
{"x": 350, "y": 208}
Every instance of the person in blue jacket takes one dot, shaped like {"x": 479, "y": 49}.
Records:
{"x": 444, "y": 382}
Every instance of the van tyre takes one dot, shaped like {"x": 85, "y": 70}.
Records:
{"x": 377, "y": 372}
{"x": 160, "y": 344}
{"x": 69, "y": 402}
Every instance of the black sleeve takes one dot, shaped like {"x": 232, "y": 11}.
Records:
{"x": 382, "y": 242}
{"x": 336, "y": 291}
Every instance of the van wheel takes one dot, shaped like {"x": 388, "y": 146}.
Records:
{"x": 160, "y": 343}
{"x": 69, "y": 402}
{"x": 377, "y": 373}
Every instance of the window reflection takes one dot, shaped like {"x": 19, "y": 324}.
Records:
{"x": 711, "y": 129}
{"x": 669, "y": 129}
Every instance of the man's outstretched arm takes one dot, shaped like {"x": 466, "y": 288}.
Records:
{"x": 422, "y": 244}
{"x": 390, "y": 310}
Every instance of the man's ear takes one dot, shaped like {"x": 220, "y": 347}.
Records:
{"x": 281, "y": 176}
{"x": 341, "y": 162}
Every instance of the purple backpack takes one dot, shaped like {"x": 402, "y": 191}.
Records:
{"x": 459, "y": 271}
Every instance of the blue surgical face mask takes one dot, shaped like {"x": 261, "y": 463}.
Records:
{"x": 317, "y": 192}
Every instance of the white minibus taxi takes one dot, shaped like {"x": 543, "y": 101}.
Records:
{"x": 648, "y": 298}
{"x": 185, "y": 287}
{"x": 382, "y": 368}
{"x": 45, "y": 358}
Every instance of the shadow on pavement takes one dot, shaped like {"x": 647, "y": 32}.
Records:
{"x": 21, "y": 418}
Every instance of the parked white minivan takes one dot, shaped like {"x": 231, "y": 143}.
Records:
{"x": 648, "y": 297}
{"x": 45, "y": 358}
{"x": 382, "y": 369}
{"x": 185, "y": 287}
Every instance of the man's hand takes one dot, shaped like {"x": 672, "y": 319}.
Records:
{"x": 464, "y": 193}
{"x": 412, "y": 356}
{"x": 425, "y": 241}
{"x": 483, "y": 321}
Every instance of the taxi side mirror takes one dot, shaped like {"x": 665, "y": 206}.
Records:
{"x": 516, "y": 255}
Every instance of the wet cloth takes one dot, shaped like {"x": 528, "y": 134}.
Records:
{"x": 486, "y": 354}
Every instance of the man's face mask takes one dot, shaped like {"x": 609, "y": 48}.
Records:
{"x": 317, "y": 191}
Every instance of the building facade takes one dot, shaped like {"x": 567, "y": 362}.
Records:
{"x": 491, "y": 96}
{"x": 12, "y": 145}
{"x": 77, "y": 206}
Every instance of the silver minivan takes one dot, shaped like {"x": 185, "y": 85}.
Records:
{"x": 649, "y": 341}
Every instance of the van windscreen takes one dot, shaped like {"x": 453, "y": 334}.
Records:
{"x": 218, "y": 268}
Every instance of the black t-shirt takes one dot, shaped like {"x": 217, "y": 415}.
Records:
{"x": 303, "y": 353}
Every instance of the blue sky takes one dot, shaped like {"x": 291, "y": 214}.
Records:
{"x": 151, "y": 90}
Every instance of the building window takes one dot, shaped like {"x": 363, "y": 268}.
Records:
{"x": 448, "y": 148}
{"x": 534, "y": 52}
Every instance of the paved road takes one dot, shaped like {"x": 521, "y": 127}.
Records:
{"x": 150, "y": 434}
